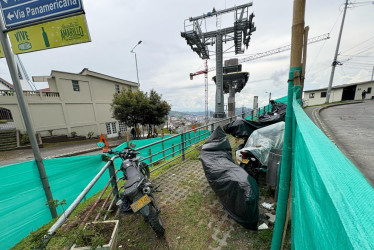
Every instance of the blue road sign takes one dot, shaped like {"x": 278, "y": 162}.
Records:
{"x": 21, "y": 12}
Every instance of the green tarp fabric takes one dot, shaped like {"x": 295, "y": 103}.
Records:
{"x": 332, "y": 202}
{"x": 268, "y": 107}
{"x": 22, "y": 198}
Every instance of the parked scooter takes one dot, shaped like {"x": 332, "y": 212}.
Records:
{"x": 138, "y": 189}
{"x": 250, "y": 164}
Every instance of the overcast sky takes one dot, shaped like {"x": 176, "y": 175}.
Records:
{"x": 165, "y": 60}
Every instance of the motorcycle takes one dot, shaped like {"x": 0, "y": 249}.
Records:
{"x": 138, "y": 189}
{"x": 250, "y": 164}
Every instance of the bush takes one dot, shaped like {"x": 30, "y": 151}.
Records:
{"x": 90, "y": 134}
{"x": 73, "y": 134}
{"x": 50, "y": 132}
{"x": 25, "y": 139}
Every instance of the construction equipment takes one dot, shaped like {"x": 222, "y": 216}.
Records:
{"x": 264, "y": 54}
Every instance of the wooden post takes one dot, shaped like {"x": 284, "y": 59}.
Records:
{"x": 285, "y": 179}
{"x": 305, "y": 47}
{"x": 128, "y": 138}
{"x": 150, "y": 157}
{"x": 163, "y": 147}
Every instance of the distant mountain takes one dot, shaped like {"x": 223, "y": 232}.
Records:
{"x": 238, "y": 111}
{"x": 180, "y": 114}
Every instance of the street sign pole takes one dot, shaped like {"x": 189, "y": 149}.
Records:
{"x": 26, "y": 116}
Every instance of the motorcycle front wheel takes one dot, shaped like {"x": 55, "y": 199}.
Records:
{"x": 155, "y": 221}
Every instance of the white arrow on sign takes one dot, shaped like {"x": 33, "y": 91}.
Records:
{"x": 5, "y": 1}
{"x": 10, "y": 16}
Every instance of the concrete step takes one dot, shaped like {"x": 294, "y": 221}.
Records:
{"x": 8, "y": 140}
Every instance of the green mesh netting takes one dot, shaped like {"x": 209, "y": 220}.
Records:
{"x": 332, "y": 205}
{"x": 267, "y": 108}
{"x": 22, "y": 198}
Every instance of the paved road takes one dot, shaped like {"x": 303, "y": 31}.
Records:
{"x": 55, "y": 150}
{"x": 352, "y": 127}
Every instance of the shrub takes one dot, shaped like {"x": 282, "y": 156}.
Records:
{"x": 25, "y": 139}
{"x": 73, "y": 134}
{"x": 90, "y": 134}
{"x": 50, "y": 132}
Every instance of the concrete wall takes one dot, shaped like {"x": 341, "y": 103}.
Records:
{"x": 362, "y": 87}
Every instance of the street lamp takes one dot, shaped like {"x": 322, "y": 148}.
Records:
{"x": 269, "y": 95}
{"x": 136, "y": 61}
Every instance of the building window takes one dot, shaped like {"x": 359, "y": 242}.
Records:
{"x": 369, "y": 90}
{"x": 111, "y": 128}
{"x": 117, "y": 88}
{"x": 311, "y": 95}
{"x": 122, "y": 127}
{"x": 323, "y": 94}
{"x": 75, "y": 85}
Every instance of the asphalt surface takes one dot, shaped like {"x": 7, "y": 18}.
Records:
{"x": 351, "y": 127}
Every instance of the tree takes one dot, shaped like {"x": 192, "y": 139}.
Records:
{"x": 127, "y": 106}
{"x": 137, "y": 107}
{"x": 157, "y": 110}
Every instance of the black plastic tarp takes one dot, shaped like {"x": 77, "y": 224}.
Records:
{"x": 242, "y": 128}
{"x": 237, "y": 191}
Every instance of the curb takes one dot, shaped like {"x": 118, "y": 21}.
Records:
{"x": 77, "y": 152}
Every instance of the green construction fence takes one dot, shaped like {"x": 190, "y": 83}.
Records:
{"x": 332, "y": 202}
{"x": 267, "y": 108}
{"x": 22, "y": 198}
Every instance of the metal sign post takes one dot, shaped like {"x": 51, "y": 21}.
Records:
{"x": 26, "y": 117}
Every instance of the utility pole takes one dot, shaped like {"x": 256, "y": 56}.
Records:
{"x": 335, "y": 62}
{"x": 372, "y": 74}
{"x": 26, "y": 116}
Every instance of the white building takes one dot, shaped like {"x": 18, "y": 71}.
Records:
{"x": 345, "y": 92}
{"x": 73, "y": 103}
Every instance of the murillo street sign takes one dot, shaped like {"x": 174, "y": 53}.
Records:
{"x": 23, "y": 12}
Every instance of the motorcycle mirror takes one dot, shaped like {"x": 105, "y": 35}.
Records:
{"x": 100, "y": 144}
{"x": 132, "y": 145}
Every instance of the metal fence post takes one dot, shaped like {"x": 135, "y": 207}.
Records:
{"x": 173, "y": 149}
{"x": 189, "y": 137}
{"x": 212, "y": 127}
{"x": 112, "y": 173}
{"x": 182, "y": 144}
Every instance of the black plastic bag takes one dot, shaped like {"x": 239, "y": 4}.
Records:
{"x": 236, "y": 190}
{"x": 242, "y": 128}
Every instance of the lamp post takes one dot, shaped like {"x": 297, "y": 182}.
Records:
{"x": 269, "y": 95}
{"x": 136, "y": 61}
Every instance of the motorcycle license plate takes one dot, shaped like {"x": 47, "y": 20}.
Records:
{"x": 245, "y": 161}
{"x": 137, "y": 205}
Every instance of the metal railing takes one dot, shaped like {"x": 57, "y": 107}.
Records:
{"x": 180, "y": 151}
{"x": 30, "y": 93}
{"x": 6, "y": 119}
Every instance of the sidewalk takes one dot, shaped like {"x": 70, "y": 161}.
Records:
{"x": 54, "y": 150}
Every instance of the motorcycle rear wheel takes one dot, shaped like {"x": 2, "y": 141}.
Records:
{"x": 155, "y": 221}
